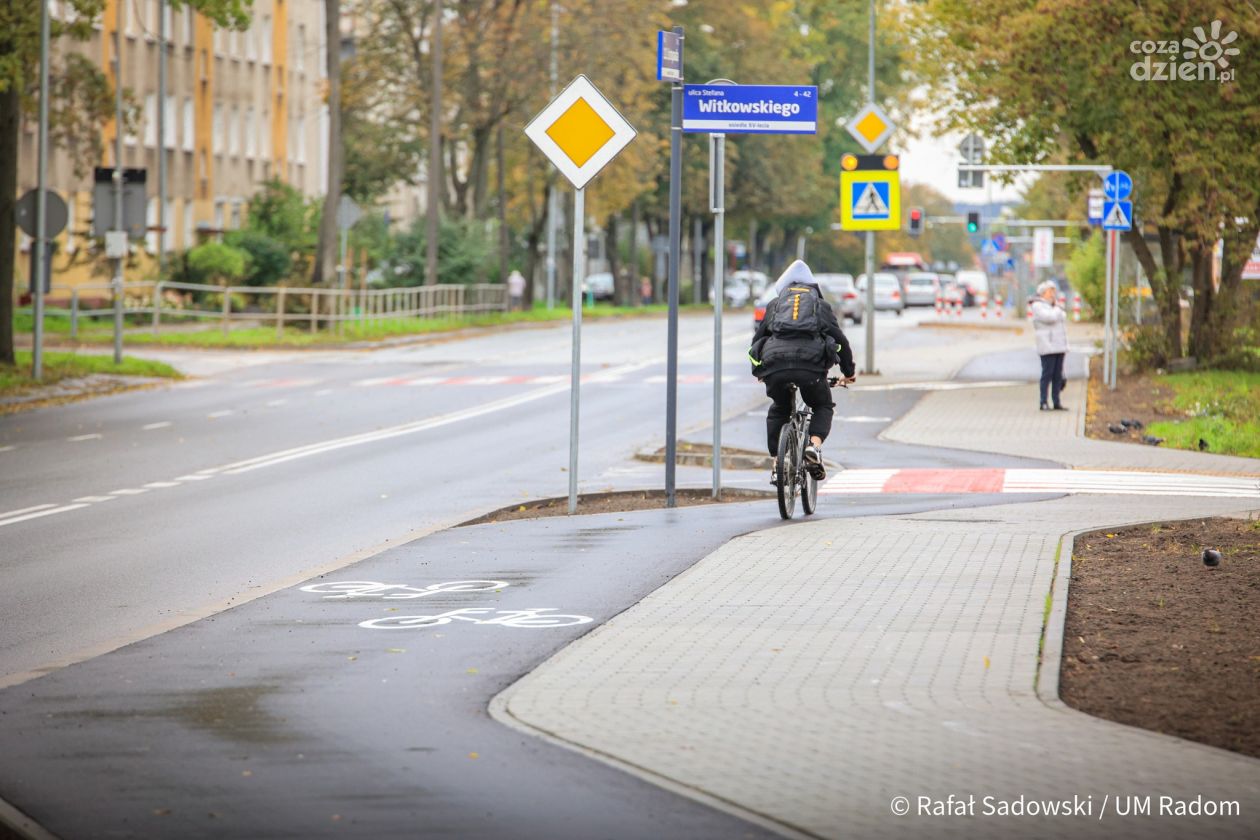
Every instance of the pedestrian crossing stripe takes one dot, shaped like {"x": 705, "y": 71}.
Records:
{"x": 871, "y": 201}
{"x": 959, "y": 481}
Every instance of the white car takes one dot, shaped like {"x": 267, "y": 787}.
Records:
{"x": 888, "y": 295}
{"x": 922, "y": 287}
{"x": 973, "y": 284}
{"x": 743, "y": 286}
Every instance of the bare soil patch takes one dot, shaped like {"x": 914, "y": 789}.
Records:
{"x": 1137, "y": 397}
{"x": 615, "y": 503}
{"x": 1156, "y": 639}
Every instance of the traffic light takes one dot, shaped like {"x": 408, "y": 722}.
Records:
{"x": 973, "y": 222}
{"x": 916, "y": 221}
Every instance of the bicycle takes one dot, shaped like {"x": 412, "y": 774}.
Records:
{"x": 789, "y": 465}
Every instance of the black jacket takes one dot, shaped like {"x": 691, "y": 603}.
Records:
{"x": 772, "y": 354}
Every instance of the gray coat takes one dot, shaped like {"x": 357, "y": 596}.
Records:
{"x": 1050, "y": 323}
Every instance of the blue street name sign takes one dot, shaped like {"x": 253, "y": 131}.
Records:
{"x": 1117, "y": 186}
{"x": 750, "y": 109}
{"x": 1117, "y": 215}
{"x": 669, "y": 57}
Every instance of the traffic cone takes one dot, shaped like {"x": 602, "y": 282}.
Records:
{"x": 984, "y": 305}
{"x": 1029, "y": 313}
{"x": 997, "y": 311}
{"x": 940, "y": 305}
{"x": 1076, "y": 306}
{"x": 958, "y": 308}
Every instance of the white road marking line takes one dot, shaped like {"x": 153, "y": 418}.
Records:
{"x": 936, "y": 386}
{"x": 77, "y": 438}
{"x": 411, "y": 428}
{"x": 863, "y": 419}
{"x": 193, "y": 477}
{"x": 7, "y": 448}
{"x": 323, "y": 392}
{"x": 129, "y": 491}
{"x": 161, "y": 425}
{"x": 159, "y": 485}
{"x": 91, "y": 500}
{"x": 215, "y": 415}
{"x": 38, "y": 514}
{"x": 274, "y": 403}
{"x": 21, "y": 511}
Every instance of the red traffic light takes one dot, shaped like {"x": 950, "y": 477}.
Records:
{"x": 916, "y": 215}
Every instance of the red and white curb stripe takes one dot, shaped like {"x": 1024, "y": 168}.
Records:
{"x": 951, "y": 481}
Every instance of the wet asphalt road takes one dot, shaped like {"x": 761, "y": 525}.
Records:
{"x": 284, "y": 717}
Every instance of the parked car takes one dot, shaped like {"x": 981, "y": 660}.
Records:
{"x": 973, "y": 284}
{"x": 951, "y": 292}
{"x": 922, "y": 287}
{"x": 600, "y": 286}
{"x": 841, "y": 292}
{"x": 888, "y": 295}
{"x": 742, "y": 287}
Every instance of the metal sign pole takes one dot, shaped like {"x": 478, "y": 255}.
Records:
{"x": 41, "y": 200}
{"x": 118, "y": 184}
{"x": 553, "y": 196}
{"x": 162, "y": 128}
{"x": 575, "y": 377}
{"x": 717, "y": 201}
{"x": 675, "y": 236}
{"x": 870, "y": 234}
{"x": 1107, "y": 334}
{"x": 1112, "y": 266}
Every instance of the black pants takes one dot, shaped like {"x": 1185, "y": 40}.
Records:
{"x": 1051, "y": 378}
{"x": 814, "y": 391}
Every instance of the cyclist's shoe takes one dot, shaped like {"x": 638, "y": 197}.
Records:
{"x": 774, "y": 476}
{"x": 814, "y": 463}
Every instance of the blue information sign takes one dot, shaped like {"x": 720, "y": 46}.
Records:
{"x": 750, "y": 109}
{"x": 1117, "y": 186}
{"x": 669, "y": 57}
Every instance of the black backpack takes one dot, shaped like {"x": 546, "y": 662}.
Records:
{"x": 796, "y": 313}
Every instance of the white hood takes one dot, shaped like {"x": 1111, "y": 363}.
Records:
{"x": 797, "y": 273}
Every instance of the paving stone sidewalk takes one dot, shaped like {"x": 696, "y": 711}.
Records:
{"x": 1006, "y": 420}
{"x": 812, "y": 674}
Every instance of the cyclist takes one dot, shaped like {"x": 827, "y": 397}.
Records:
{"x": 797, "y": 343}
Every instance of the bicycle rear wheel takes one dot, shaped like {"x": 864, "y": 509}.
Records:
{"x": 786, "y": 467}
{"x": 809, "y": 493}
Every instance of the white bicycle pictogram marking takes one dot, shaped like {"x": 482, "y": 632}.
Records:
{"x": 348, "y": 589}
{"x": 531, "y": 618}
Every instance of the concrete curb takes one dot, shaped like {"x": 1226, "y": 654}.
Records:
{"x": 20, "y": 824}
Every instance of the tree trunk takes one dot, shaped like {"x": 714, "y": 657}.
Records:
{"x": 10, "y": 115}
{"x": 1217, "y": 338}
{"x": 1201, "y": 280}
{"x": 636, "y": 271}
{"x": 505, "y": 240}
{"x": 620, "y": 284}
{"x": 326, "y": 251}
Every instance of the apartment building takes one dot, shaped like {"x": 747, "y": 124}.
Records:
{"x": 239, "y": 108}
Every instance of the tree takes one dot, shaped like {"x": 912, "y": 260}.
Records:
{"x": 326, "y": 249}
{"x": 1044, "y": 83}
{"x": 84, "y": 101}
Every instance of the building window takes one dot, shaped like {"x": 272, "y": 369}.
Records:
{"x": 264, "y": 134}
{"x": 72, "y": 205}
{"x": 299, "y": 128}
{"x": 189, "y": 123}
{"x": 266, "y": 40}
{"x": 218, "y": 215}
{"x": 189, "y": 37}
{"x": 149, "y": 118}
{"x": 151, "y": 220}
{"x": 218, "y": 130}
{"x": 251, "y": 134}
{"x": 299, "y": 49}
{"x": 234, "y": 131}
{"x": 236, "y": 214}
{"x": 168, "y": 127}
{"x": 168, "y": 24}
{"x": 190, "y": 232}
{"x": 251, "y": 43}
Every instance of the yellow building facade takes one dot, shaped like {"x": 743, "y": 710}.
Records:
{"x": 239, "y": 108}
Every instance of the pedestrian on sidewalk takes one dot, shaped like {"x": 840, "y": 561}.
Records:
{"x": 1050, "y": 326}
{"x": 516, "y": 290}
{"x": 645, "y": 291}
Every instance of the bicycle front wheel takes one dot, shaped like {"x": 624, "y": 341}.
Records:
{"x": 786, "y": 467}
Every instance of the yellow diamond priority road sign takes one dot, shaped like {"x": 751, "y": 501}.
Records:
{"x": 871, "y": 127}
{"x": 580, "y": 132}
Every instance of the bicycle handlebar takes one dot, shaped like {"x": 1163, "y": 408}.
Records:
{"x": 841, "y": 382}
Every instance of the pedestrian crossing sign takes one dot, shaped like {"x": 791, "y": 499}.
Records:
{"x": 870, "y": 199}
{"x": 1117, "y": 215}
